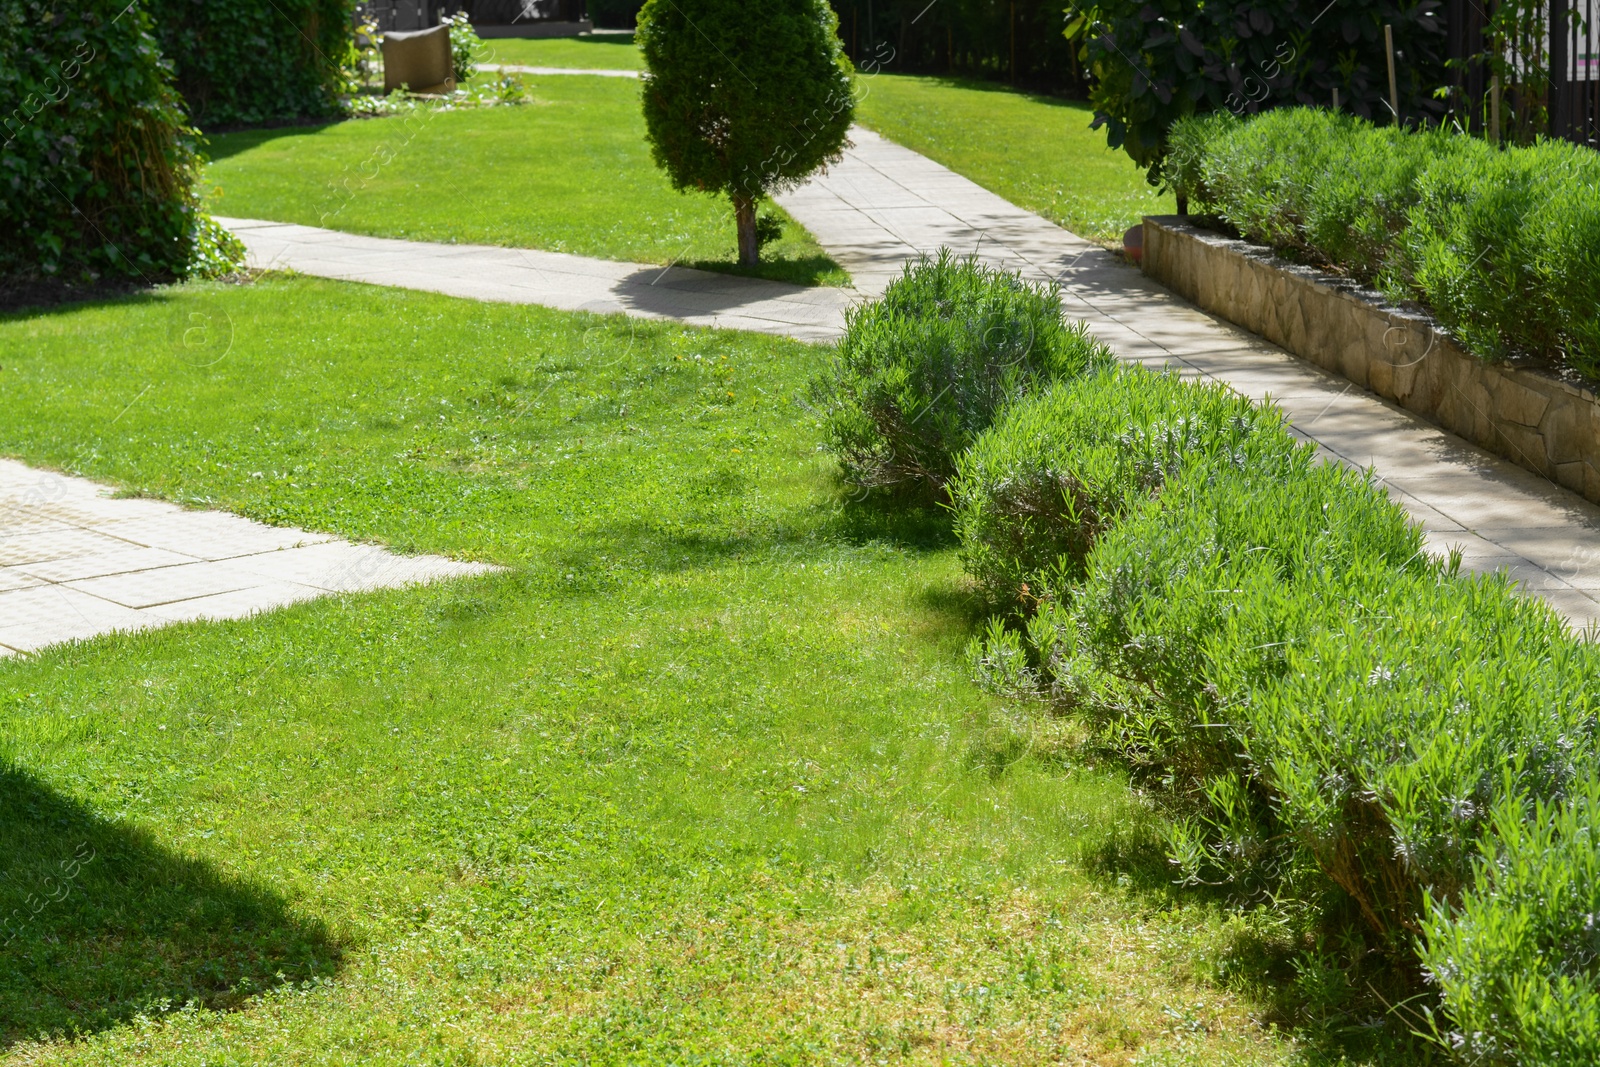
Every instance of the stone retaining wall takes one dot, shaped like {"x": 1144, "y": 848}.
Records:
{"x": 1533, "y": 419}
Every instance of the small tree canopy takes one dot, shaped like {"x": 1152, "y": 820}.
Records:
{"x": 744, "y": 97}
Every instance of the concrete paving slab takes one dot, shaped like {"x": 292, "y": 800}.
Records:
{"x": 551, "y": 279}
{"x": 124, "y": 565}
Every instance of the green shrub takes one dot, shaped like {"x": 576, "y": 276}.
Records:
{"x": 98, "y": 162}
{"x": 1157, "y": 61}
{"x": 465, "y": 46}
{"x": 1502, "y": 246}
{"x": 1504, "y": 251}
{"x": 1035, "y": 492}
{"x": 1518, "y": 961}
{"x": 926, "y": 369}
{"x": 1339, "y": 722}
{"x": 254, "y": 62}
{"x": 744, "y": 99}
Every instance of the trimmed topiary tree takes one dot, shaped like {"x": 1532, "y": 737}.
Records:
{"x": 98, "y": 164}
{"x": 744, "y": 98}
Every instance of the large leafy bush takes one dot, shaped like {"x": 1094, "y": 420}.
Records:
{"x": 98, "y": 163}
{"x": 253, "y": 62}
{"x": 1502, "y": 245}
{"x": 1518, "y": 961}
{"x": 1157, "y": 61}
{"x": 926, "y": 369}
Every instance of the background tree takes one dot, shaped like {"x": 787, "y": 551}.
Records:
{"x": 744, "y": 98}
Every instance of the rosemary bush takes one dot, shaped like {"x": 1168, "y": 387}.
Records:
{"x": 926, "y": 369}
{"x": 1502, "y": 246}
{"x": 1340, "y": 723}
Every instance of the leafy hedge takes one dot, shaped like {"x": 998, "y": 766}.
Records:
{"x": 1401, "y": 760}
{"x": 1502, "y": 245}
{"x": 253, "y": 62}
{"x": 923, "y": 371}
{"x": 1157, "y": 61}
{"x": 1342, "y": 724}
{"x": 98, "y": 163}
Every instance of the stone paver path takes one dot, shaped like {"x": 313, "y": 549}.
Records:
{"x": 75, "y": 563}
{"x": 884, "y": 204}
{"x": 553, "y": 279}
{"x": 513, "y": 68}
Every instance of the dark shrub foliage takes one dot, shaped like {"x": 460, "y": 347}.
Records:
{"x": 1503, "y": 246}
{"x": 1157, "y": 61}
{"x": 256, "y": 62}
{"x": 926, "y": 369}
{"x": 97, "y": 161}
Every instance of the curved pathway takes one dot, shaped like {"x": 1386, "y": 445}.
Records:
{"x": 884, "y": 204}
{"x": 552, "y": 279}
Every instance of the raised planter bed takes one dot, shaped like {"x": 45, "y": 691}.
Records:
{"x": 1530, "y": 416}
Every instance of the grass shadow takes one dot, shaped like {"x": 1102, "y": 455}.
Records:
{"x": 609, "y": 38}
{"x": 984, "y": 85}
{"x": 34, "y": 298}
{"x": 225, "y": 143}
{"x": 99, "y": 922}
{"x": 1329, "y": 994}
{"x": 802, "y": 270}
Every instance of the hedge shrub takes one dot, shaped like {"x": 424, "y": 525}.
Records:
{"x": 98, "y": 163}
{"x": 1032, "y": 496}
{"x": 923, "y": 371}
{"x": 255, "y": 62}
{"x": 1519, "y": 960}
{"x": 1503, "y": 246}
{"x": 1341, "y": 723}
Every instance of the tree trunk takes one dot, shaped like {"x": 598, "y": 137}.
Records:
{"x": 744, "y": 212}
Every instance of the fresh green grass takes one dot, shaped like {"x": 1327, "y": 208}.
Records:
{"x": 700, "y": 776}
{"x": 1036, "y": 151}
{"x": 603, "y": 52}
{"x": 568, "y": 172}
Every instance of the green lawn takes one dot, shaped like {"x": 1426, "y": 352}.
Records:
{"x": 568, "y": 172}
{"x": 603, "y": 52}
{"x": 699, "y": 778}
{"x": 1036, "y": 151}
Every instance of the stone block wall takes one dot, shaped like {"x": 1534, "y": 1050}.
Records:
{"x": 1534, "y": 419}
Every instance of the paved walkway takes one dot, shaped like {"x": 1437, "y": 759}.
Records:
{"x": 75, "y": 563}
{"x": 885, "y": 203}
{"x": 553, "y": 279}
{"x": 512, "y": 68}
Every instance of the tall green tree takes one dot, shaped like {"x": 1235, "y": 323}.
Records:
{"x": 744, "y": 97}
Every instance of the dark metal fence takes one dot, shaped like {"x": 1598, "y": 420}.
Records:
{"x": 1574, "y": 56}
{"x": 401, "y": 15}
{"x": 1575, "y": 71}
